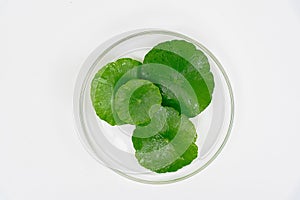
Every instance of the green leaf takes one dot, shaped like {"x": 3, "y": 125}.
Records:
{"x": 174, "y": 87}
{"x": 189, "y": 155}
{"x": 106, "y": 81}
{"x": 134, "y": 100}
{"x": 192, "y": 63}
{"x": 167, "y": 143}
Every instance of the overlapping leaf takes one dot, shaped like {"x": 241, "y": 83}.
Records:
{"x": 192, "y": 63}
{"x": 134, "y": 99}
{"x": 169, "y": 144}
{"x": 105, "y": 84}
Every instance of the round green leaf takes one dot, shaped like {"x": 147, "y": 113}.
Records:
{"x": 134, "y": 100}
{"x": 167, "y": 143}
{"x": 185, "y": 159}
{"x": 106, "y": 81}
{"x": 192, "y": 64}
{"x": 174, "y": 87}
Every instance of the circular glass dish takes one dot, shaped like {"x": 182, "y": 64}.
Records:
{"x": 111, "y": 145}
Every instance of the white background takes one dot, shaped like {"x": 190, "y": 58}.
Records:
{"x": 43, "y": 44}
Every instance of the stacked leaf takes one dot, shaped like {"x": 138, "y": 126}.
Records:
{"x": 159, "y": 96}
{"x": 193, "y": 65}
{"x": 104, "y": 85}
{"x": 134, "y": 100}
{"x": 167, "y": 143}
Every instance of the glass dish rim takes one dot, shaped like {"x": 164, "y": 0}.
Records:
{"x": 79, "y": 90}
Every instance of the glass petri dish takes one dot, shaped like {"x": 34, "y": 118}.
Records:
{"x": 112, "y": 146}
